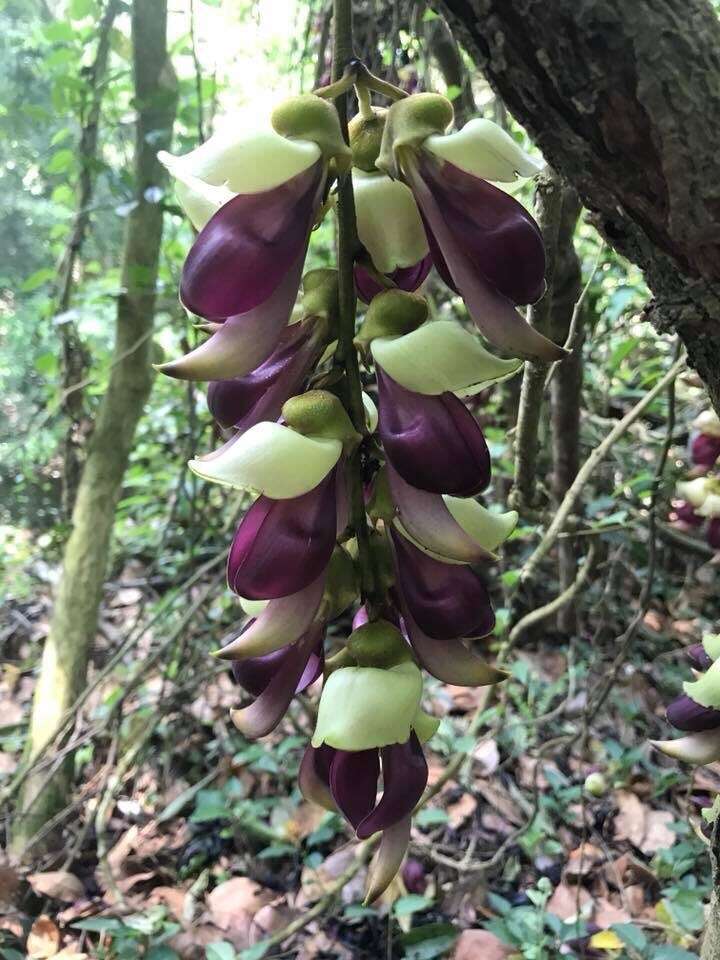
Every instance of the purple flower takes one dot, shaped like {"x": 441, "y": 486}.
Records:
{"x": 433, "y": 442}
{"x": 244, "y": 401}
{"x": 705, "y": 450}
{"x": 350, "y": 781}
{"x": 282, "y": 546}
{"x": 713, "y": 533}
{"x": 404, "y": 278}
{"x": 698, "y": 656}
{"x": 685, "y": 513}
{"x": 242, "y": 254}
{"x": 446, "y": 600}
{"x": 685, "y": 714}
{"x": 274, "y": 679}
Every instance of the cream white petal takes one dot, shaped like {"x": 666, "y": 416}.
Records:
{"x": 200, "y": 200}
{"x": 244, "y": 162}
{"x": 710, "y": 507}
{"x": 708, "y": 423}
{"x": 711, "y": 643}
{"x": 253, "y": 607}
{"x": 696, "y": 748}
{"x": 485, "y": 150}
{"x": 388, "y": 221}
{"x": 694, "y": 491}
{"x": 271, "y": 459}
{"x": 487, "y": 528}
{"x": 706, "y": 689}
{"x": 366, "y": 707}
{"x": 371, "y": 413}
{"x": 440, "y": 356}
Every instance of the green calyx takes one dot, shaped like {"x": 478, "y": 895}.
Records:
{"x": 366, "y": 135}
{"x": 706, "y": 689}
{"x": 410, "y": 122}
{"x": 320, "y": 297}
{"x": 392, "y": 313}
{"x": 711, "y": 643}
{"x": 378, "y": 644}
{"x": 341, "y": 584}
{"x": 308, "y": 117}
{"x": 380, "y": 505}
{"x": 319, "y": 413}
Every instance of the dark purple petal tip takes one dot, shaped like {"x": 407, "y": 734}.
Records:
{"x": 685, "y": 714}
{"x": 404, "y": 278}
{"x": 698, "y": 656}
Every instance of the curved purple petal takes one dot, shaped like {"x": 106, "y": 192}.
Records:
{"x": 405, "y": 775}
{"x": 494, "y": 314}
{"x": 243, "y": 341}
{"x": 698, "y": 656}
{"x": 314, "y": 775}
{"x": 254, "y": 674}
{"x": 450, "y": 660}
{"x": 499, "y": 237}
{"x": 404, "y": 278}
{"x": 244, "y": 401}
{"x": 281, "y": 546}
{"x": 705, "y": 450}
{"x": 242, "y": 254}
{"x": 283, "y": 621}
{"x": 685, "y": 714}
{"x": 353, "y": 782}
{"x": 278, "y": 678}
{"x": 446, "y": 600}
{"x": 427, "y": 519}
{"x": 713, "y": 533}
{"x": 433, "y": 442}
{"x": 685, "y": 512}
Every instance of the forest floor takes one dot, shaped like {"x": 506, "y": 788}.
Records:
{"x": 184, "y": 840}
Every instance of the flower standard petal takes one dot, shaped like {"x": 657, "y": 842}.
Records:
{"x": 242, "y": 342}
{"x": 244, "y": 401}
{"x": 268, "y": 709}
{"x": 353, "y": 783}
{"x": 438, "y": 357}
{"x": 242, "y": 254}
{"x": 272, "y": 459}
{"x": 697, "y": 748}
{"x": 708, "y": 423}
{"x": 484, "y": 149}
{"x": 366, "y": 707}
{"x": 282, "y": 546}
{"x": 694, "y": 491}
{"x": 434, "y": 443}
{"x": 388, "y": 221}
{"x": 446, "y": 600}
{"x": 282, "y": 621}
{"x": 494, "y": 314}
{"x": 450, "y": 660}
{"x": 405, "y": 775}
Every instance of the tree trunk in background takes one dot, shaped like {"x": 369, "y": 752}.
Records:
{"x": 74, "y": 620}
{"x": 444, "y": 49}
{"x": 75, "y": 358}
{"x": 566, "y": 391}
{"x": 623, "y": 100}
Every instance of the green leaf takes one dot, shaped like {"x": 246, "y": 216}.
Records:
{"x": 61, "y": 162}
{"x": 429, "y": 941}
{"x": 410, "y": 903}
{"x": 276, "y": 851}
{"x": 222, "y": 950}
{"x": 59, "y": 31}
{"x": 255, "y": 952}
{"x": 46, "y": 364}
{"x": 431, "y": 817}
{"x": 37, "y": 279}
{"x": 210, "y": 805}
{"x": 79, "y": 9}
{"x": 673, "y": 953}
{"x": 430, "y": 15}
{"x": 161, "y": 953}
{"x": 630, "y": 935}
{"x": 453, "y": 91}
{"x": 99, "y": 924}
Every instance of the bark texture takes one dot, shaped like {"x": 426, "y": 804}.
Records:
{"x": 74, "y": 620}
{"x": 622, "y": 98}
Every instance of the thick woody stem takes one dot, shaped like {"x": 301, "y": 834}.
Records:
{"x": 347, "y": 248}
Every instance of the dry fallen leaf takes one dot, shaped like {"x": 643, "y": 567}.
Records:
{"x": 461, "y": 810}
{"x": 480, "y": 945}
{"x": 57, "y": 884}
{"x": 71, "y": 953}
{"x": 567, "y": 901}
{"x": 315, "y": 881}
{"x": 43, "y": 940}
{"x": 630, "y": 822}
{"x": 658, "y": 835}
{"x": 241, "y": 894}
{"x": 583, "y": 861}
{"x": 606, "y": 913}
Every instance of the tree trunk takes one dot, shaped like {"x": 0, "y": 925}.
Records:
{"x": 566, "y": 391}
{"x": 74, "y": 620}
{"x": 74, "y": 355}
{"x": 443, "y": 47}
{"x": 622, "y": 99}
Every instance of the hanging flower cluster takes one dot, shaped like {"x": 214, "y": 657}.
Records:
{"x": 698, "y": 499}
{"x": 279, "y": 388}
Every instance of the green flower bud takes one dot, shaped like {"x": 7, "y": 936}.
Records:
{"x": 364, "y": 707}
{"x": 319, "y": 413}
{"x": 706, "y": 689}
{"x": 380, "y": 505}
{"x": 595, "y": 784}
{"x": 378, "y": 644}
{"x": 308, "y": 117}
{"x": 320, "y": 297}
{"x": 409, "y": 123}
{"x": 365, "y": 135}
{"x": 341, "y": 584}
{"x": 391, "y": 313}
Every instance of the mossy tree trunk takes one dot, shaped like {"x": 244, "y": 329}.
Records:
{"x": 622, "y": 98}
{"x": 74, "y": 619}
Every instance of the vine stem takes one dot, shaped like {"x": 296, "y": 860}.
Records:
{"x": 346, "y": 355}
